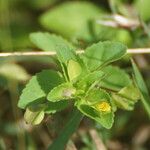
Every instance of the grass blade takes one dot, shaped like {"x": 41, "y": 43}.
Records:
{"x": 142, "y": 87}
{"x": 69, "y": 129}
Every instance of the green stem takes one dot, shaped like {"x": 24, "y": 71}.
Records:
{"x": 73, "y": 123}
{"x": 13, "y": 89}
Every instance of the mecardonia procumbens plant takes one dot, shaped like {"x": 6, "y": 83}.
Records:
{"x": 96, "y": 88}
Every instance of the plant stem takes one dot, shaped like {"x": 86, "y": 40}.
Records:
{"x": 13, "y": 87}
{"x": 62, "y": 139}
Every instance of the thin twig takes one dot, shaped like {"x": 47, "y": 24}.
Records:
{"x": 71, "y": 146}
{"x": 138, "y": 51}
{"x": 52, "y": 53}
{"x": 116, "y": 21}
{"x": 141, "y": 136}
{"x": 97, "y": 140}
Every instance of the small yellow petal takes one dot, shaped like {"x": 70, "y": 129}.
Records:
{"x": 103, "y": 106}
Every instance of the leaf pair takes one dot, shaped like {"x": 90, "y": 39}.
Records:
{"x": 38, "y": 87}
{"x": 35, "y": 93}
{"x": 71, "y": 63}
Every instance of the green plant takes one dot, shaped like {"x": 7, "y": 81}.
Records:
{"x": 96, "y": 88}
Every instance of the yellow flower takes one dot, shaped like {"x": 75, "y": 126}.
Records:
{"x": 103, "y": 106}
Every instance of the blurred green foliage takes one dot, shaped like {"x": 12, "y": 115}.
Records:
{"x": 74, "y": 20}
{"x": 143, "y": 9}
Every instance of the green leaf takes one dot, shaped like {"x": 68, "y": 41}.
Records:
{"x": 38, "y": 87}
{"x": 85, "y": 82}
{"x": 142, "y": 87}
{"x": 97, "y": 106}
{"x": 71, "y": 19}
{"x": 63, "y": 91}
{"x": 95, "y": 96}
{"x": 60, "y": 142}
{"x": 65, "y": 54}
{"x": 106, "y": 119}
{"x": 13, "y": 71}
{"x": 103, "y": 53}
{"x": 116, "y": 78}
{"x": 74, "y": 69}
{"x": 52, "y": 107}
{"x": 130, "y": 92}
{"x": 142, "y": 6}
{"x": 122, "y": 102}
{"x": 48, "y": 42}
{"x": 126, "y": 97}
{"x": 34, "y": 116}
